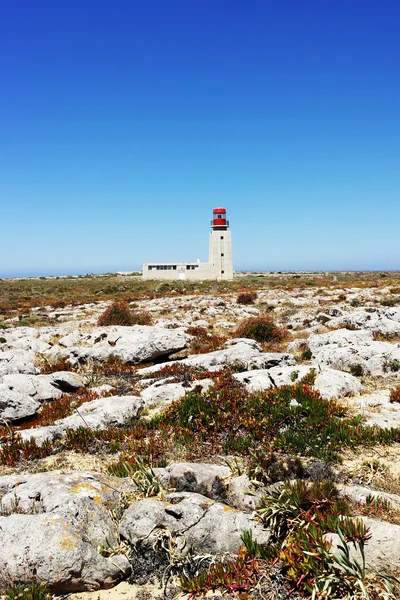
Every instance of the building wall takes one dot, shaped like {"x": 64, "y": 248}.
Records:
{"x": 202, "y": 272}
{"x": 221, "y": 254}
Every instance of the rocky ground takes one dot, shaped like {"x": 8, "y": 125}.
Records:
{"x": 140, "y": 454}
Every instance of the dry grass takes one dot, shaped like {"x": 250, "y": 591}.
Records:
{"x": 19, "y": 296}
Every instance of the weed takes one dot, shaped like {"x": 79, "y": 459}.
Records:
{"x": 380, "y": 508}
{"x": 269, "y": 468}
{"x": 392, "y": 365}
{"x": 118, "y": 313}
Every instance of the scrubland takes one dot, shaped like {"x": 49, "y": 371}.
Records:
{"x": 274, "y": 399}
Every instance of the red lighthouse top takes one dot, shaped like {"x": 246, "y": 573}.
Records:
{"x": 219, "y": 219}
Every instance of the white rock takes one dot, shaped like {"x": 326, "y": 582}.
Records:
{"x": 17, "y": 361}
{"x": 332, "y": 383}
{"x": 159, "y": 395}
{"x": 103, "y": 413}
{"x": 382, "y": 551}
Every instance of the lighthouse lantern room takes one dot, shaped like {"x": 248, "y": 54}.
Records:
{"x": 219, "y": 219}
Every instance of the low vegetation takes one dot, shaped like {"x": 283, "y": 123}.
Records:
{"x": 299, "y": 516}
{"x": 119, "y": 313}
{"x": 395, "y": 394}
{"x": 19, "y": 296}
{"x": 262, "y": 329}
{"x": 226, "y": 419}
{"x": 204, "y": 341}
{"x": 246, "y": 298}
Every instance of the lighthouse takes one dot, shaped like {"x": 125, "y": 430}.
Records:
{"x": 219, "y": 266}
{"x": 220, "y": 255}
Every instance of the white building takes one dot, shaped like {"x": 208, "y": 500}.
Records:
{"x": 219, "y": 265}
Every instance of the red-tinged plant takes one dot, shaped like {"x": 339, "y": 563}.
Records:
{"x": 204, "y": 341}
{"x": 119, "y": 313}
{"x": 395, "y": 394}
{"x": 246, "y": 298}
{"x": 261, "y": 329}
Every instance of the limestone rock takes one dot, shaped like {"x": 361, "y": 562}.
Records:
{"x": 343, "y": 349}
{"x": 17, "y": 361}
{"x": 255, "y": 381}
{"x": 136, "y": 344}
{"x": 382, "y": 551}
{"x": 66, "y": 519}
{"x": 50, "y": 547}
{"x": 103, "y": 413}
{"x": 161, "y": 395}
{"x": 205, "y": 479}
{"x": 332, "y": 383}
{"x": 15, "y": 406}
{"x": 208, "y": 526}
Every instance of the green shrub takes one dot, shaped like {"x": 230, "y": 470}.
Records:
{"x": 261, "y": 329}
{"x": 357, "y": 370}
{"x": 33, "y": 591}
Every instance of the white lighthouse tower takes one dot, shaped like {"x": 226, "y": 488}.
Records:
{"x": 221, "y": 245}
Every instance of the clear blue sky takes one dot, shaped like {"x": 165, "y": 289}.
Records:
{"x": 124, "y": 122}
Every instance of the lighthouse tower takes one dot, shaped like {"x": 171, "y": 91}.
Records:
{"x": 221, "y": 245}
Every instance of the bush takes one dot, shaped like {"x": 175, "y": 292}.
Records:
{"x": 261, "y": 329}
{"x": 119, "y": 313}
{"x": 357, "y": 370}
{"x": 395, "y": 394}
{"x": 141, "y": 317}
{"x": 204, "y": 341}
{"x": 247, "y": 298}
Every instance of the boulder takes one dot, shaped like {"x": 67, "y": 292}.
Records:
{"x": 21, "y": 394}
{"x": 344, "y": 349}
{"x": 161, "y": 395}
{"x": 17, "y": 361}
{"x": 208, "y": 526}
{"x": 382, "y": 551}
{"x": 359, "y": 494}
{"x": 332, "y": 383}
{"x": 49, "y": 548}
{"x": 255, "y": 381}
{"x": 239, "y": 352}
{"x": 374, "y": 319}
{"x": 288, "y": 375}
{"x": 205, "y": 479}
{"x": 136, "y": 344}
{"x": 15, "y": 406}
{"x": 103, "y": 413}
{"x": 65, "y": 522}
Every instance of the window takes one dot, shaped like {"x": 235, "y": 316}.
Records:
{"x": 222, "y": 237}
{"x": 222, "y": 254}
{"x": 222, "y": 271}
